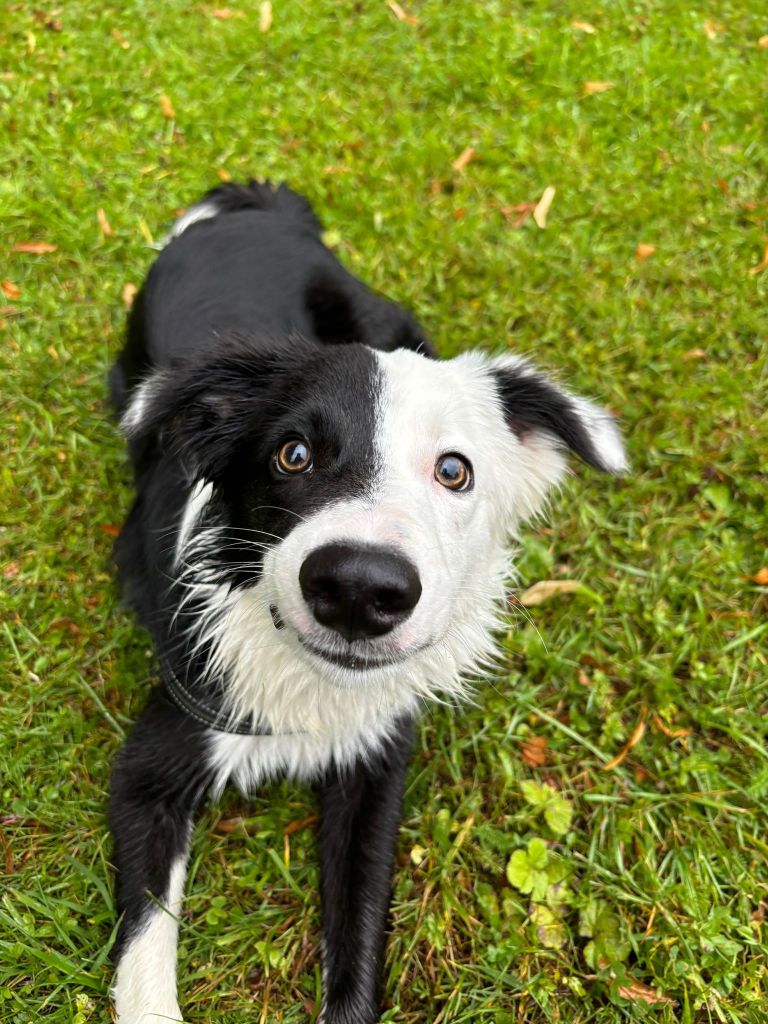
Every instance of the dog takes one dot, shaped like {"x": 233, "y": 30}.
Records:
{"x": 318, "y": 545}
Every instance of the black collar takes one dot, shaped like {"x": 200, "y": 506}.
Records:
{"x": 214, "y": 718}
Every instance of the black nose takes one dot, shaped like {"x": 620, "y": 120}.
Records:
{"x": 360, "y": 592}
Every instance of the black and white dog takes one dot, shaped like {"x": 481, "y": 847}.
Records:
{"x": 319, "y": 543}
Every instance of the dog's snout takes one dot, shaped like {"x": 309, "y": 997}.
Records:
{"x": 360, "y": 592}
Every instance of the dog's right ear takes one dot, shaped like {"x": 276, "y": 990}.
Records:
{"x": 201, "y": 410}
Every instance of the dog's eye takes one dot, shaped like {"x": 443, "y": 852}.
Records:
{"x": 454, "y": 472}
{"x": 293, "y": 457}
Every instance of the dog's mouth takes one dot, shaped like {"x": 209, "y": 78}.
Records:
{"x": 355, "y": 661}
{"x": 349, "y": 659}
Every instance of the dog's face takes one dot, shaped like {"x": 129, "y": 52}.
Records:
{"x": 350, "y": 510}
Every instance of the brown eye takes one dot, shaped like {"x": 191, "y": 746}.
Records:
{"x": 454, "y": 472}
{"x": 293, "y": 457}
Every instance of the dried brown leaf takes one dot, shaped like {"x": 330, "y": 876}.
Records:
{"x": 544, "y": 589}
{"x": 122, "y": 42}
{"x": 167, "y": 107}
{"x": 517, "y": 215}
{"x": 712, "y": 29}
{"x": 583, "y": 26}
{"x": 673, "y": 734}
{"x": 223, "y": 174}
{"x": 299, "y": 824}
{"x": 762, "y": 265}
{"x": 590, "y": 88}
{"x": 103, "y": 222}
{"x": 10, "y": 289}
{"x": 110, "y": 529}
{"x": 541, "y": 209}
{"x": 762, "y": 43}
{"x": 229, "y": 825}
{"x": 644, "y": 250}
{"x": 35, "y": 247}
{"x": 761, "y": 577}
{"x": 222, "y": 13}
{"x": 534, "y": 751}
{"x": 11, "y": 570}
{"x": 638, "y": 992}
{"x": 129, "y": 294}
{"x": 694, "y": 353}
{"x": 400, "y": 14}
{"x": 637, "y": 734}
{"x": 265, "y": 16}
{"x": 465, "y": 157}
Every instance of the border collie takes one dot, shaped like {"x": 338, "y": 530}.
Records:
{"x": 319, "y": 543}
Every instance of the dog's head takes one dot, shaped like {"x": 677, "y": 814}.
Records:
{"x": 350, "y": 510}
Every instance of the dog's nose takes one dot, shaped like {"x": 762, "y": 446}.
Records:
{"x": 359, "y": 592}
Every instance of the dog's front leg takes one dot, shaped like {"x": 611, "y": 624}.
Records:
{"x": 158, "y": 781}
{"x": 360, "y": 814}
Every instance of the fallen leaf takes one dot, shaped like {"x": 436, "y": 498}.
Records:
{"x": 534, "y": 751}
{"x": 53, "y": 353}
{"x": 300, "y": 823}
{"x": 11, "y": 570}
{"x": 110, "y": 529}
{"x": 35, "y": 247}
{"x": 637, "y": 734}
{"x": 583, "y": 26}
{"x": 712, "y": 29}
{"x": 463, "y": 158}
{"x": 229, "y": 825}
{"x": 167, "y": 107}
{"x": 673, "y": 734}
{"x": 10, "y": 289}
{"x": 637, "y": 992}
{"x": 584, "y": 679}
{"x": 644, "y": 250}
{"x": 223, "y": 174}
{"x": 418, "y": 853}
{"x": 694, "y": 353}
{"x": 723, "y": 185}
{"x": 129, "y": 294}
{"x": 458, "y": 214}
{"x": 222, "y": 13}
{"x": 103, "y": 222}
{"x": 762, "y": 265}
{"x": 762, "y": 43}
{"x": 545, "y": 589}
{"x": 590, "y": 88}
{"x": 265, "y": 16}
{"x": 65, "y": 623}
{"x": 400, "y": 14}
{"x": 761, "y": 577}
{"x": 517, "y": 215}
{"x": 541, "y": 209}
{"x": 122, "y": 42}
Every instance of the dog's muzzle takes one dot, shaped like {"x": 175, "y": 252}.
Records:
{"x": 359, "y": 592}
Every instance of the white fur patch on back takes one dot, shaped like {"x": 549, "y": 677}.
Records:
{"x": 145, "y": 985}
{"x": 196, "y": 213}
{"x": 141, "y": 399}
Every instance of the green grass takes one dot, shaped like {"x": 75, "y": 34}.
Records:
{"x": 660, "y": 863}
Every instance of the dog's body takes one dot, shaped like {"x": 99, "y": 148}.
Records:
{"x": 319, "y": 542}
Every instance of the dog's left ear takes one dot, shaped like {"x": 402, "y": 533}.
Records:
{"x": 544, "y": 415}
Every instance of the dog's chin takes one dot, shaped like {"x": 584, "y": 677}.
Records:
{"x": 351, "y": 662}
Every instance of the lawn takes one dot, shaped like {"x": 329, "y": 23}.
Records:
{"x": 587, "y": 842}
